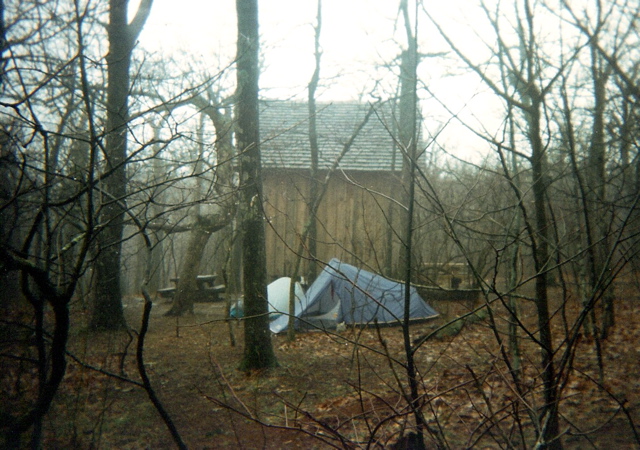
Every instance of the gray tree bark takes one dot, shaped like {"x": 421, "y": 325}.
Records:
{"x": 108, "y": 312}
{"x": 596, "y": 180}
{"x": 187, "y": 287}
{"x": 258, "y": 351}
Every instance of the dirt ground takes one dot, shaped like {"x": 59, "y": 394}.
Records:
{"x": 327, "y": 387}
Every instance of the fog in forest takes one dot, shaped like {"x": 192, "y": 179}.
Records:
{"x": 355, "y": 224}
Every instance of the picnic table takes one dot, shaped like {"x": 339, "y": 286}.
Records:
{"x": 208, "y": 290}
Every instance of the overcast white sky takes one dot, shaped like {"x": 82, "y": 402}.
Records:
{"x": 358, "y": 36}
{"x": 353, "y": 35}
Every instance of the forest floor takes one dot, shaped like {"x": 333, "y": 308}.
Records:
{"x": 330, "y": 387}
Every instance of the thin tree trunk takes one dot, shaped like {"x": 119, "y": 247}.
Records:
{"x": 533, "y": 101}
{"x": 597, "y": 192}
{"x": 409, "y": 142}
{"x": 549, "y": 413}
{"x": 318, "y": 199}
{"x": 590, "y": 269}
{"x": 407, "y": 131}
{"x": 514, "y": 347}
{"x": 314, "y": 151}
{"x": 310, "y": 232}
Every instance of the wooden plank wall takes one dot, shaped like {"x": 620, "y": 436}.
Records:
{"x": 353, "y": 220}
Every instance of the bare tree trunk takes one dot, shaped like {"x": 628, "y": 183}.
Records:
{"x": 108, "y": 312}
{"x": 187, "y": 288}
{"x": 52, "y": 364}
{"x": 407, "y": 131}
{"x": 258, "y": 351}
{"x": 533, "y": 101}
{"x": 596, "y": 181}
{"x": 549, "y": 413}
{"x": 514, "y": 347}
{"x": 314, "y": 208}
{"x": 409, "y": 143}
{"x": 310, "y": 233}
{"x": 205, "y": 226}
{"x": 314, "y": 152}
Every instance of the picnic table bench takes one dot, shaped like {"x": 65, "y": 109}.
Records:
{"x": 208, "y": 291}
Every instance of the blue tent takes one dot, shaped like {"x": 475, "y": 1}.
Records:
{"x": 346, "y": 294}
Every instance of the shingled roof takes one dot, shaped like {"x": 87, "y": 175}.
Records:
{"x": 284, "y": 129}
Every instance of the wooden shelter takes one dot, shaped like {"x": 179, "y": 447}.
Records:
{"x": 359, "y": 217}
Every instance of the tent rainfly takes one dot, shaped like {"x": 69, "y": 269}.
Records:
{"x": 277, "y": 297}
{"x": 346, "y": 294}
